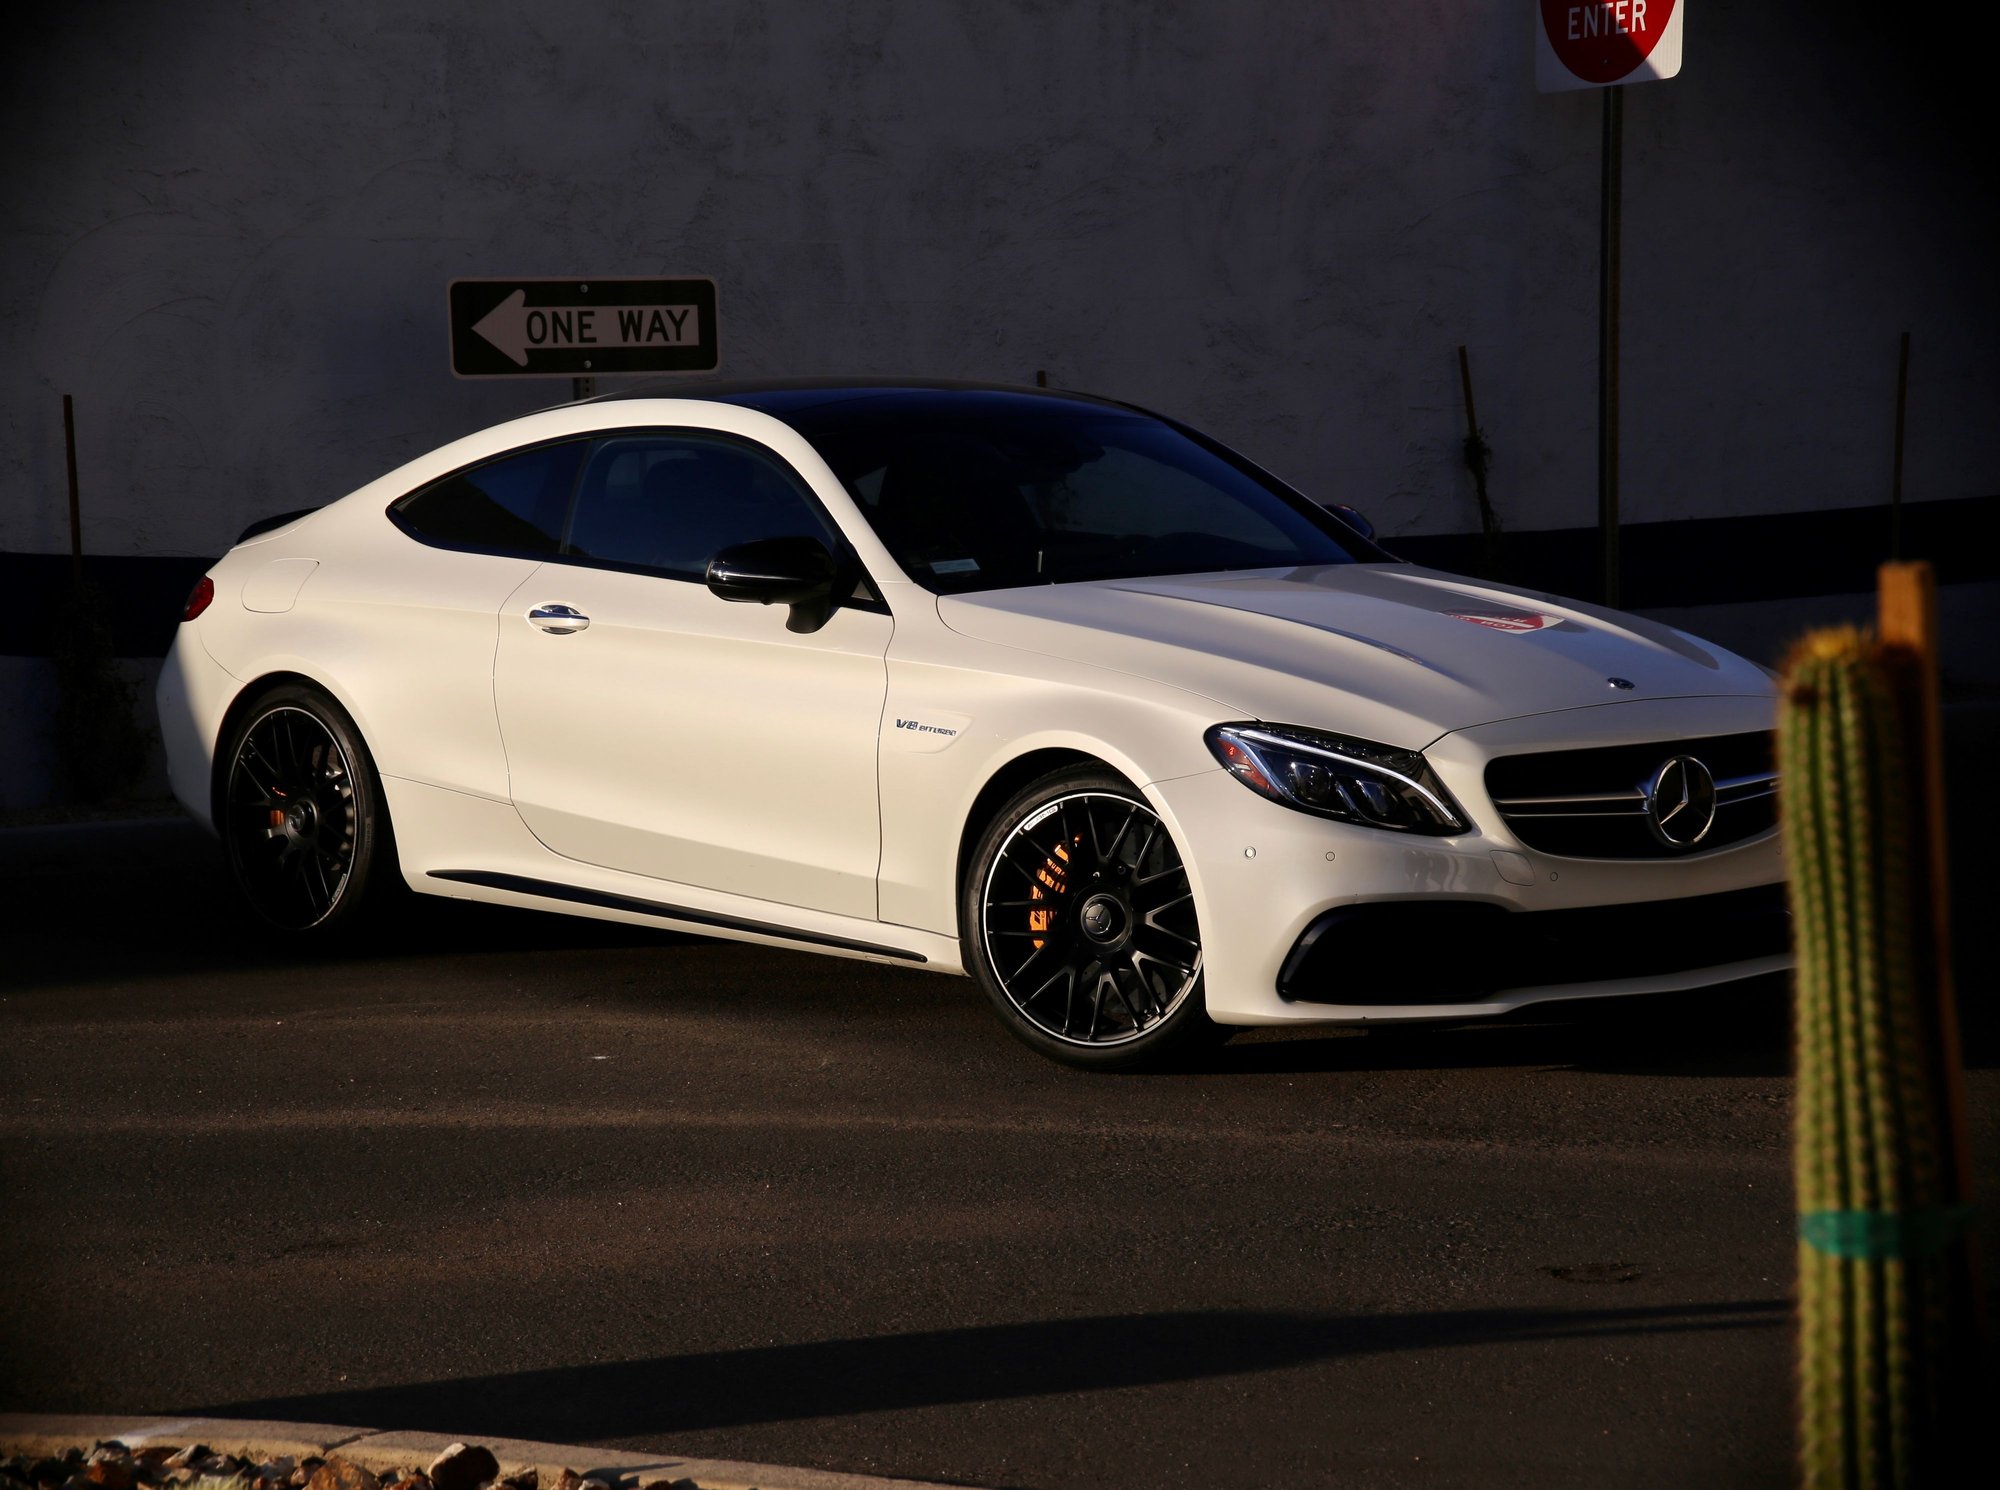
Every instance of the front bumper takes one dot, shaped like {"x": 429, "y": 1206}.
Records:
{"x": 1419, "y": 952}
{"x": 1265, "y": 876}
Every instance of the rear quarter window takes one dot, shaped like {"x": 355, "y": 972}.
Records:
{"x": 513, "y": 505}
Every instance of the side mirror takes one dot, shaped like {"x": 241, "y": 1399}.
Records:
{"x": 798, "y": 572}
{"x": 1356, "y": 519}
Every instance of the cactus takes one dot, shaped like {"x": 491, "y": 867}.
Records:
{"x": 1877, "y": 1283}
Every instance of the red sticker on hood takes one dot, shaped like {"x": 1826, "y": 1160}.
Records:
{"x": 1506, "y": 620}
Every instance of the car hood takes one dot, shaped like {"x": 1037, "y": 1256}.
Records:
{"x": 1393, "y": 652}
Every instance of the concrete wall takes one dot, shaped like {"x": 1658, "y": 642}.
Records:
{"x": 229, "y": 227}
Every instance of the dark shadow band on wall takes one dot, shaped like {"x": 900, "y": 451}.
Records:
{"x": 1729, "y": 560}
{"x": 1696, "y": 561}
{"x": 144, "y": 595}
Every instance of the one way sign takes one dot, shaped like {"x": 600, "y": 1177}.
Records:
{"x": 578, "y": 328}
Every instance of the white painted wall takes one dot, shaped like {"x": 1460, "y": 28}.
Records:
{"x": 229, "y": 226}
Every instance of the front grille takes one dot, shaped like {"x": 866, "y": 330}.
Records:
{"x": 1591, "y": 804}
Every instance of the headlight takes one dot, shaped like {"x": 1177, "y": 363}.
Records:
{"x": 1354, "y": 781}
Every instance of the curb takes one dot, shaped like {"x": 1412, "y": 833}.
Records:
{"x": 375, "y": 1450}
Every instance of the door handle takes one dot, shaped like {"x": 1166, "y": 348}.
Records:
{"x": 559, "y": 620}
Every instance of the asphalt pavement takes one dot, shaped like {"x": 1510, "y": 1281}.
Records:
{"x": 514, "y": 1175}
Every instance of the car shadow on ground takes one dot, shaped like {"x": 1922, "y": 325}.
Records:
{"x": 1742, "y": 1031}
{"x": 154, "y": 902}
{"x": 830, "y": 1378}
{"x": 160, "y": 904}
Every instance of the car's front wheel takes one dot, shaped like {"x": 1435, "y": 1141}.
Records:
{"x": 301, "y": 816}
{"x": 1078, "y": 919}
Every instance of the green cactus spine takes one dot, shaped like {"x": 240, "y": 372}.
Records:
{"x": 1868, "y": 1137}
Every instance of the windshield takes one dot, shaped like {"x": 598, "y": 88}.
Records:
{"x": 982, "y": 493}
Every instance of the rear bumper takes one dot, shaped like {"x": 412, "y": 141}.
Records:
{"x": 194, "y": 694}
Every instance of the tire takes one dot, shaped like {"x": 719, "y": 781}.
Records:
{"x": 305, "y": 831}
{"x": 1078, "y": 919}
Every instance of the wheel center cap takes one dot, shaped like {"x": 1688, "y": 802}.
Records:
{"x": 1102, "y": 918}
{"x": 300, "y": 819}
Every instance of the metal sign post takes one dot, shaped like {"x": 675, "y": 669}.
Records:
{"x": 1606, "y": 44}
{"x": 1609, "y": 229}
{"x": 1896, "y": 476}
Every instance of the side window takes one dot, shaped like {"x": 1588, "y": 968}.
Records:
{"x": 667, "y": 502}
{"x": 512, "y": 505}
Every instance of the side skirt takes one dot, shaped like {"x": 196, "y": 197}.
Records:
{"x": 550, "y": 890}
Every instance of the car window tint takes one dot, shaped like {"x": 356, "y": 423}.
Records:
{"x": 512, "y": 505}
{"x": 991, "y": 495}
{"x": 668, "y": 503}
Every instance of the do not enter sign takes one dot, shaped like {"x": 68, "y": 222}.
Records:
{"x": 1596, "y": 43}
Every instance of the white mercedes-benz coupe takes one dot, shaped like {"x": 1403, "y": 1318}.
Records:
{"x": 1036, "y": 687}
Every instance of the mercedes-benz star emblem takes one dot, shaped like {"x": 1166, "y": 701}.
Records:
{"x": 1680, "y": 802}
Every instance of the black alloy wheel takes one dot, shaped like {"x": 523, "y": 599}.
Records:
{"x": 300, "y": 813}
{"x": 1080, "y": 924}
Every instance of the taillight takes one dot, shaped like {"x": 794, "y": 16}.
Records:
{"x": 198, "y": 598}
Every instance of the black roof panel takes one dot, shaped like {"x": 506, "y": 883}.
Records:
{"x": 784, "y": 398}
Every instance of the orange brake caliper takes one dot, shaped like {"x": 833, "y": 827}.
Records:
{"x": 1050, "y": 880}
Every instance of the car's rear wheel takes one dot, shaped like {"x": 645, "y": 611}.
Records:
{"x": 301, "y": 816}
{"x": 1079, "y": 921}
